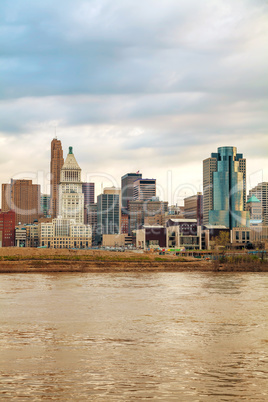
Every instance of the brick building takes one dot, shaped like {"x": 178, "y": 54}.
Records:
{"x": 7, "y": 229}
{"x": 23, "y": 197}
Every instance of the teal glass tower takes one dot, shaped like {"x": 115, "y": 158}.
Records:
{"x": 227, "y": 189}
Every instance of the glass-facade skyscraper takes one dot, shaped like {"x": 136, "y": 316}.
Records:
{"x": 224, "y": 179}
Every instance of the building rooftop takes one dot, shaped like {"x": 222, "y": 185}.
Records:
{"x": 215, "y": 227}
{"x": 183, "y": 220}
{"x": 253, "y": 199}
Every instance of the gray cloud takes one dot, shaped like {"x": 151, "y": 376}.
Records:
{"x": 140, "y": 83}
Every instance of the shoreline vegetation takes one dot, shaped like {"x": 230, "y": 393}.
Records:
{"x": 20, "y": 260}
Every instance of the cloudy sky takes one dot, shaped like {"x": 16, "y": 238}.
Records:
{"x": 154, "y": 86}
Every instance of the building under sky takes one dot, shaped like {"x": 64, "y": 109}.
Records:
{"x": 224, "y": 178}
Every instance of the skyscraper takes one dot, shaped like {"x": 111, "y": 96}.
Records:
{"x": 88, "y": 190}
{"x": 56, "y": 164}
{"x": 23, "y": 197}
{"x": 144, "y": 189}
{"x": 127, "y": 187}
{"x": 224, "y": 182}
{"x": 109, "y": 211}
{"x": 71, "y": 198}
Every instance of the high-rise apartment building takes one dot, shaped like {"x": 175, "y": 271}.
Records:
{"x": 23, "y": 197}
{"x": 261, "y": 192}
{"x": 224, "y": 189}
{"x": 127, "y": 187}
{"x": 109, "y": 211}
{"x": 71, "y": 198}
{"x": 144, "y": 189}
{"x": 56, "y": 164}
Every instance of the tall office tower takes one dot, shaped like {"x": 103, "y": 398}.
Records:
{"x": 144, "y": 189}
{"x": 23, "y": 197}
{"x": 7, "y": 229}
{"x": 71, "y": 198}
{"x": 261, "y": 192}
{"x": 88, "y": 189}
{"x": 45, "y": 205}
{"x": 92, "y": 221}
{"x": 127, "y": 187}
{"x": 225, "y": 204}
{"x": 109, "y": 211}
{"x": 193, "y": 208}
{"x": 209, "y": 167}
{"x": 56, "y": 164}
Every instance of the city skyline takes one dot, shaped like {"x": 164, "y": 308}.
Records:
{"x": 150, "y": 87}
{"x": 105, "y": 179}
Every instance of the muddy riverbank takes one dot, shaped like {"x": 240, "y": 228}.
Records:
{"x": 14, "y": 260}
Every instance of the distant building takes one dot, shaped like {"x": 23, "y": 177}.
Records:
{"x": 92, "y": 221}
{"x": 88, "y": 189}
{"x": 124, "y": 222}
{"x": 151, "y": 237}
{"x": 7, "y": 229}
{"x": 23, "y": 197}
{"x": 45, "y": 205}
{"x": 127, "y": 187}
{"x": 193, "y": 208}
{"x": 183, "y": 234}
{"x": 255, "y": 210}
{"x": 144, "y": 189}
{"x": 109, "y": 211}
{"x": 64, "y": 233}
{"x": 139, "y": 210}
{"x": 71, "y": 198}
{"x": 224, "y": 189}
{"x": 56, "y": 164}
{"x": 261, "y": 193}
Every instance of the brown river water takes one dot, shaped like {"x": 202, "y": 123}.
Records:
{"x": 134, "y": 336}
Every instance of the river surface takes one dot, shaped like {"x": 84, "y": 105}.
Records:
{"x": 134, "y": 336}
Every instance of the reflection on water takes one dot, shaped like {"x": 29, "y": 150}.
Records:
{"x": 119, "y": 337}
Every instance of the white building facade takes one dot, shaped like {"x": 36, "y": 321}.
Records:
{"x": 71, "y": 197}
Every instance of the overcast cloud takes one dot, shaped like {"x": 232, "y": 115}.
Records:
{"x": 154, "y": 86}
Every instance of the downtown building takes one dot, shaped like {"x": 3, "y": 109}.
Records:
{"x": 140, "y": 210}
{"x": 56, "y": 164}
{"x": 68, "y": 229}
{"x": 71, "y": 197}
{"x": 7, "y": 229}
{"x": 127, "y": 187}
{"x": 193, "y": 208}
{"x": 22, "y": 197}
{"x": 224, "y": 189}
{"x": 109, "y": 212}
{"x": 144, "y": 189}
{"x": 261, "y": 193}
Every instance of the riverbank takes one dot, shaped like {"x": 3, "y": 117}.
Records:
{"x": 15, "y": 260}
